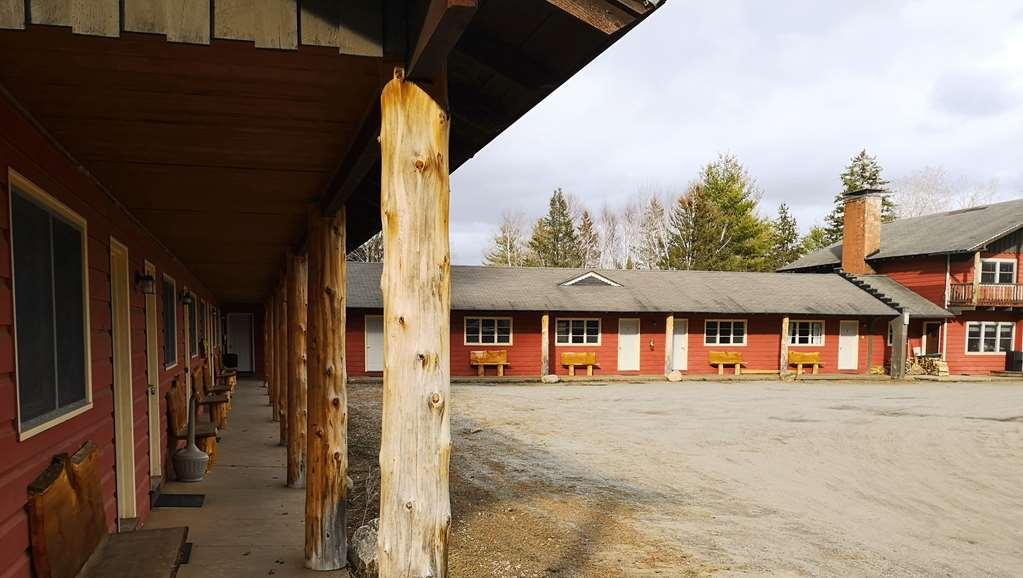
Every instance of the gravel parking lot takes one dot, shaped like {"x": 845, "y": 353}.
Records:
{"x": 754, "y": 478}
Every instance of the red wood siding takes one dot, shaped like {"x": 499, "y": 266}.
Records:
{"x": 30, "y": 153}
{"x": 523, "y": 353}
{"x": 963, "y": 363}
{"x": 924, "y": 275}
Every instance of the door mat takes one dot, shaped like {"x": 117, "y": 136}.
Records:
{"x": 180, "y": 500}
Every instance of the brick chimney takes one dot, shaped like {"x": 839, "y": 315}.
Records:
{"x": 861, "y": 230}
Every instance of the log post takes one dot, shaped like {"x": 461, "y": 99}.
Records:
{"x": 267, "y": 322}
{"x": 545, "y": 344}
{"x": 669, "y": 342}
{"x": 296, "y": 371}
{"x": 282, "y": 362}
{"x": 783, "y": 359}
{"x": 899, "y": 345}
{"x": 272, "y": 353}
{"x": 415, "y": 448}
{"x": 976, "y": 277}
{"x": 327, "y": 462}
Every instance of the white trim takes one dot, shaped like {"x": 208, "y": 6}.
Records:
{"x": 124, "y": 397}
{"x": 600, "y": 331}
{"x": 591, "y": 275}
{"x": 153, "y": 376}
{"x": 856, "y": 359}
{"x": 174, "y": 337}
{"x": 998, "y": 325}
{"x": 639, "y": 344}
{"x": 745, "y": 332}
{"x": 15, "y": 179}
{"x": 792, "y": 333}
{"x": 365, "y": 343}
{"x": 1015, "y": 270}
{"x": 465, "y": 330}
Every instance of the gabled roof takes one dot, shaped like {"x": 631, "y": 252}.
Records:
{"x": 903, "y": 297}
{"x": 591, "y": 278}
{"x": 476, "y": 288}
{"x": 962, "y": 231}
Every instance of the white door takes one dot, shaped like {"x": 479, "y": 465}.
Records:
{"x": 153, "y": 378}
{"x": 124, "y": 423}
{"x": 374, "y": 336}
{"x": 628, "y": 345}
{"x": 680, "y": 346}
{"x": 239, "y": 339}
{"x": 849, "y": 345}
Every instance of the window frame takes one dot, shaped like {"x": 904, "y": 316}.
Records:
{"x": 174, "y": 337}
{"x": 998, "y": 329}
{"x": 193, "y": 324}
{"x": 50, "y": 203}
{"x": 465, "y": 329}
{"x": 745, "y": 332}
{"x": 998, "y": 270}
{"x": 600, "y": 331}
{"x": 793, "y": 333}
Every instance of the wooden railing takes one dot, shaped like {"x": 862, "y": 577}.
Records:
{"x": 1003, "y": 294}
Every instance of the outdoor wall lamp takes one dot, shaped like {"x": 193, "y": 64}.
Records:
{"x": 145, "y": 283}
{"x": 186, "y": 298}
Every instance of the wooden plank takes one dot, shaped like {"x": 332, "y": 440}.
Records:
{"x": 52, "y": 12}
{"x": 415, "y": 443}
{"x": 276, "y": 24}
{"x": 141, "y": 554}
{"x": 362, "y": 28}
{"x": 489, "y": 357}
{"x": 297, "y": 381}
{"x": 187, "y": 21}
{"x": 12, "y": 14}
{"x": 443, "y": 25}
{"x": 579, "y": 358}
{"x": 144, "y": 16}
{"x": 600, "y": 14}
{"x": 545, "y": 344}
{"x": 321, "y": 22}
{"x": 96, "y": 17}
{"x": 783, "y": 364}
{"x": 327, "y": 461}
{"x": 234, "y": 20}
{"x": 669, "y": 342}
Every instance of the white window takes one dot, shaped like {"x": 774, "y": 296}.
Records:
{"x": 989, "y": 336}
{"x": 997, "y": 271}
{"x": 724, "y": 332}
{"x": 488, "y": 330}
{"x": 577, "y": 332}
{"x": 51, "y": 308}
{"x": 806, "y": 333}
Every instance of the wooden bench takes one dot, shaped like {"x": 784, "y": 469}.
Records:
{"x": 68, "y": 528}
{"x": 177, "y": 424}
{"x": 723, "y": 358}
{"x": 801, "y": 358}
{"x": 573, "y": 358}
{"x": 481, "y": 359}
{"x": 216, "y": 404}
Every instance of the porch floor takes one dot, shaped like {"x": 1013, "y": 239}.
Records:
{"x": 251, "y": 524}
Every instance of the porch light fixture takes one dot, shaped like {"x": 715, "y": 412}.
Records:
{"x": 186, "y": 298}
{"x": 145, "y": 283}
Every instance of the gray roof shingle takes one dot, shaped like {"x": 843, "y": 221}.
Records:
{"x": 963, "y": 231}
{"x": 475, "y": 288}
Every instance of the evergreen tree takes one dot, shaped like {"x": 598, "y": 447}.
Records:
{"x": 554, "y": 242}
{"x": 507, "y": 248}
{"x": 786, "y": 244}
{"x": 652, "y": 235}
{"x": 816, "y": 239}
{"x": 698, "y": 237}
{"x": 372, "y": 251}
{"x": 589, "y": 241}
{"x": 863, "y": 172}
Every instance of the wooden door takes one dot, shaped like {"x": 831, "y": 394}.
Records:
{"x": 628, "y": 344}
{"x": 849, "y": 345}
{"x": 124, "y": 435}
{"x": 374, "y": 336}
{"x": 680, "y": 345}
{"x": 932, "y": 338}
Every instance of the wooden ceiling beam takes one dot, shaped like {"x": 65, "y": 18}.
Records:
{"x": 607, "y": 16}
{"x": 443, "y": 25}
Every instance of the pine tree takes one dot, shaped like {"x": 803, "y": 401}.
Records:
{"x": 554, "y": 242}
{"x": 816, "y": 239}
{"x": 652, "y": 235}
{"x": 698, "y": 237}
{"x": 786, "y": 244}
{"x": 507, "y": 248}
{"x": 589, "y": 241}
{"x": 863, "y": 172}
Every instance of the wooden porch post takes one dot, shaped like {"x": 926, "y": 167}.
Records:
{"x": 272, "y": 351}
{"x": 976, "y": 278}
{"x": 297, "y": 382}
{"x": 898, "y": 368}
{"x": 783, "y": 359}
{"x": 545, "y": 344}
{"x": 327, "y": 461}
{"x": 669, "y": 342}
{"x": 267, "y": 348}
{"x": 415, "y": 448}
{"x": 282, "y": 362}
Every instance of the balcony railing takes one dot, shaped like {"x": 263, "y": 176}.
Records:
{"x": 989, "y": 295}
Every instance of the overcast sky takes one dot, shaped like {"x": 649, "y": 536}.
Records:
{"x": 793, "y": 88}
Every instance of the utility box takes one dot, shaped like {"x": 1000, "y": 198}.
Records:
{"x": 1014, "y": 361}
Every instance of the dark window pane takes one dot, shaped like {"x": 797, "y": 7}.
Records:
{"x": 472, "y": 330}
{"x": 170, "y": 326}
{"x": 1006, "y": 274}
{"x": 69, "y": 300}
{"x": 562, "y": 331}
{"x": 33, "y": 293}
{"x": 711, "y": 331}
{"x": 578, "y": 331}
{"x": 504, "y": 330}
{"x": 593, "y": 327}
{"x": 192, "y": 343}
{"x": 1005, "y": 337}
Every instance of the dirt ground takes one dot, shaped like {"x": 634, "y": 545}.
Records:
{"x": 754, "y": 478}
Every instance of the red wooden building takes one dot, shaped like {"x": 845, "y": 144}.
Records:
{"x": 966, "y": 262}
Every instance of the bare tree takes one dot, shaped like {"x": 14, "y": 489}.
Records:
{"x": 653, "y": 234}
{"x": 610, "y": 239}
{"x": 372, "y": 251}
{"x": 933, "y": 189}
{"x": 508, "y": 246}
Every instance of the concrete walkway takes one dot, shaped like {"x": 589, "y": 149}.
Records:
{"x": 250, "y": 523}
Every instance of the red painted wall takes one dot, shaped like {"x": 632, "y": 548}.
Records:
{"x": 29, "y": 152}
{"x": 924, "y": 275}
{"x": 964, "y": 363}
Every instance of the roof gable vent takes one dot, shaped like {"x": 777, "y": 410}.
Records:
{"x": 591, "y": 278}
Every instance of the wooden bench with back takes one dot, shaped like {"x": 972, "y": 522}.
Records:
{"x": 801, "y": 358}
{"x": 723, "y": 358}
{"x": 216, "y": 404}
{"x": 571, "y": 359}
{"x": 68, "y": 529}
{"x": 496, "y": 358}
{"x": 177, "y": 424}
